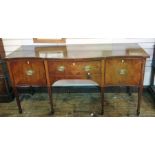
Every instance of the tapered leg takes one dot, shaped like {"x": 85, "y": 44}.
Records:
{"x": 140, "y": 91}
{"x": 102, "y": 101}
{"x": 51, "y": 99}
{"x": 17, "y": 100}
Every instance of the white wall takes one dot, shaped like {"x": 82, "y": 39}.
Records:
{"x": 147, "y": 43}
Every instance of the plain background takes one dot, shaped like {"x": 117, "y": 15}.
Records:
{"x": 77, "y": 19}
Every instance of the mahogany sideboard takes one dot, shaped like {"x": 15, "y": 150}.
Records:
{"x": 106, "y": 64}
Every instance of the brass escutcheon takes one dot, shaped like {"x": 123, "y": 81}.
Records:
{"x": 29, "y": 72}
{"x": 61, "y": 68}
{"x": 122, "y": 71}
{"x": 87, "y": 68}
{"x": 123, "y": 61}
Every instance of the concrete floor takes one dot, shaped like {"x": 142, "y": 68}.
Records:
{"x": 79, "y": 105}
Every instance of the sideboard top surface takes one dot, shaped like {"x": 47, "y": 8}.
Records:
{"x": 79, "y": 51}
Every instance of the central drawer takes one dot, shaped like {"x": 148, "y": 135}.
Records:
{"x": 74, "y": 67}
{"x": 123, "y": 71}
{"x": 74, "y": 70}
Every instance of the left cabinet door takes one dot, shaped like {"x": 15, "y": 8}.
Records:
{"x": 28, "y": 72}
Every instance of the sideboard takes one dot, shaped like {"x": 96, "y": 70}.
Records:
{"x": 105, "y": 64}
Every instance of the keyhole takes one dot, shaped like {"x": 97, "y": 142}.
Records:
{"x": 73, "y": 63}
{"x": 28, "y": 62}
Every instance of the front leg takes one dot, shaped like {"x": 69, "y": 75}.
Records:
{"x": 102, "y": 100}
{"x": 17, "y": 100}
{"x": 50, "y": 99}
{"x": 140, "y": 91}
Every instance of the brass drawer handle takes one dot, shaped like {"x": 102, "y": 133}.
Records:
{"x": 122, "y": 71}
{"x": 30, "y": 72}
{"x": 61, "y": 68}
{"x": 87, "y": 68}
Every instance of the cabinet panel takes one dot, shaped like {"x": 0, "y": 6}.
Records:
{"x": 123, "y": 71}
{"x": 28, "y": 72}
{"x": 18, "y": 69}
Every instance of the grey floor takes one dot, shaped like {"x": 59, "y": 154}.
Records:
{"x": 79, "y": 105}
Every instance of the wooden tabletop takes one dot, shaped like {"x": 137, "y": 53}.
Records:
{"x": 79, "y": 51}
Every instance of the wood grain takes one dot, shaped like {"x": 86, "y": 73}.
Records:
{"x": 132, "y": 68}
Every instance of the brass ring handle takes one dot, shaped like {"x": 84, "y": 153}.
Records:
{"x": 61, "y": 68}
{"x": 87, "y": 68}
{"x": 122, "y": 71}
{"x": 30, "y": 72}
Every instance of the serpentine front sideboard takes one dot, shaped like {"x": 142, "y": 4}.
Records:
{"x": 106, "y": 64}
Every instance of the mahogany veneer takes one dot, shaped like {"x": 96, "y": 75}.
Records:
{"x": 107, "y": 64}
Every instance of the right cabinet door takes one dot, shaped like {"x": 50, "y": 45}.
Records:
{"x": 123, "y": 71}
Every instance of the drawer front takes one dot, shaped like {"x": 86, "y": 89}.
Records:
{"x": 82, "y": 68}
{"x": 28, "y": 72}
{"x": 57, "y": 68}
{"x": 94, "y": 77}
{"x": 3, "y": 86}
{"x": 74, "y": 68}
{"x": 123, "y": 71}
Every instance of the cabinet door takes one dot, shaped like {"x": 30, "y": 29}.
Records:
{"x": 28, "y": 72}
{"x": 119, "y": 71}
